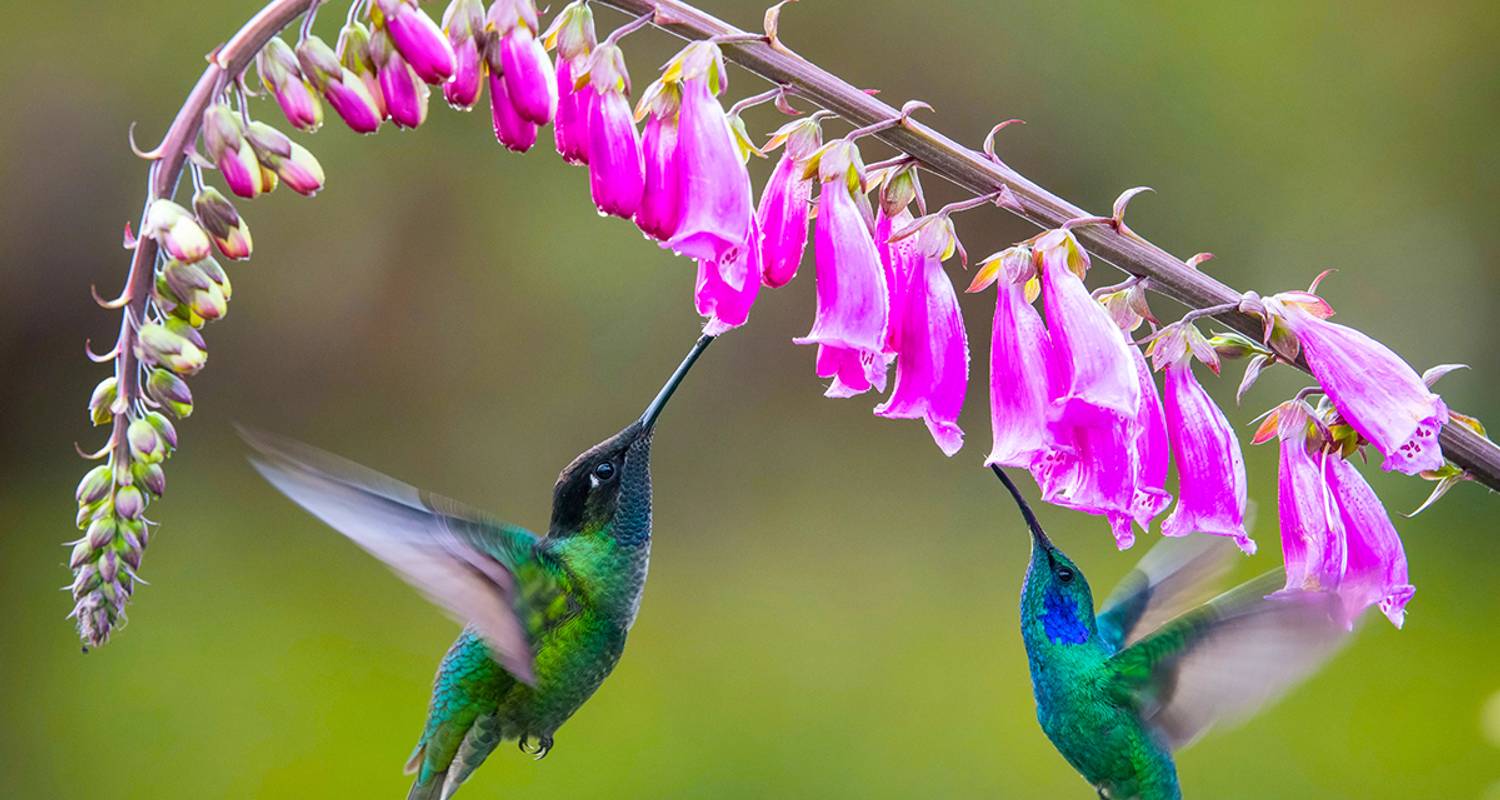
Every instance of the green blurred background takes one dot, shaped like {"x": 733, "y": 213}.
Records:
{"x": 832, "y": 608}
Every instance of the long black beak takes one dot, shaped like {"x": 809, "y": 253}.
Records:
{"x": 1037, "y": 534}
{"x": 654, "y": 410}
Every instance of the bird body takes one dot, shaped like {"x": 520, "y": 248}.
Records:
{"x": 545, "y": 618}
{"x": 1119, "y": 691}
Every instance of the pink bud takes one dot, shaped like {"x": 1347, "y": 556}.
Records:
{"x": 528, "y": 75}
{"x": 351, "y": 99}
{"x": 785, "y": 206}
{"x": 616, "y": 168}
{"x": 421, "y": 43}
{"x": 405, "y": 93}
{"x": 511, "y": 129}
{"x": 468, "y": 74}
{"x": 570, "y": 125}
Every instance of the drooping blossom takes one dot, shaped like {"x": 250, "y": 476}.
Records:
{"x": 224, "y": 144}
{"x": 1377, "y": 393}
{"x": 1018, "y": 352}
{"x": 1094, "y": 380}
{"x": 1091, "y": 468}
{"x": 417, "y": 38}
{"x": 901, "y": 258}
{"x": 1375, "y": 573}
{"x": 932, "y": 351}
{"x": 572, "y": 33}
{"x": 345, "y": 90}
{"x": 282, "y": 77}
{"x": 1335, "y": 535}
{"x": 660, "y": 211}
{"x": 463, "y": 23}
{"x": 519, "y": 57}
{"x": 511, "y": 129}
{"x": 724, "y": 306}
{"x": 1152, "y": 448}
{"x": 405, "y": 92}
{"x": 176, "y": 231}
{"x": 786, "y": 202}
{"x": 1211, "y": 469}
{"x": 616, "y": 169}
{"x": 853, "y": 306}
{"x": 714, "y": 185}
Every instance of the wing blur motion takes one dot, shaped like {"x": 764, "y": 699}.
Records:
{"x": 1221, "y": 662}
{"x": 1174, "y": 575}
{"x": 457, "y": 557}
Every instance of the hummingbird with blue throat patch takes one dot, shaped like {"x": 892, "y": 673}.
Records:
{"x": 1119, "y": 691}
{"x": 545, "y": 618}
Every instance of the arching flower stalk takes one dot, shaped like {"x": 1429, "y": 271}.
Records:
{"x": 1071, "y": 399}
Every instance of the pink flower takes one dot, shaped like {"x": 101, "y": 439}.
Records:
{"x": 464, "y": 23}
{"x": 713, "y": 182}
{"x": 932, "y": 361}
{"x": 725, "y": 306}
{"x": 528, "y": 75}
{"x": 419, "y": 40}
{"x": 1018, "y": 350}
{"x": 224, "y": 143}
{"x": 511, "y": 130}
{"x": 1313, "y": 546}
{"x": 616, "y": 170}
{"x": 570, "y": 125}
{"x": 1094, "y": 380}
{"x": 1335, "y": 535}
{"x": 786, "y": 203}
{"x": 1152, "y": 448}
{"x": 1212, "y": 489}
{"x": 344, "y": 90}
{"x": 853, "y": 306}
{"x": 660, "y": 211}
{"x": 1375, "y": 571}
{"x": 1377, "y": 393}
{"x": 572, "y": 33}
{"x": 1091, "y": 468}
{"x": 901, "y": 259}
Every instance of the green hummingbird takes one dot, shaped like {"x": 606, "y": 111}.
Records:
{"x": 545, "y": 619}
{"x": 1119, "y": 691}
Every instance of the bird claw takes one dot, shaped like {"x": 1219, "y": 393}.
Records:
{"x": 540, "y": 751}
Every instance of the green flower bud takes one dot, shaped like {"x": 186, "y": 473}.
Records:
{"x": 223, "y": 223}
{"x": 92, "y": 511}
{"x": 101, "y": 403}
{"x": 268, "y": 142}
{"x": 171, "y": 391}
{"x": 164, "y": 428}
{"x": 176, "y": 230}
{"x": 109, "y": 567}
{"x": 101, "y": 532}
{"x": 151, "y": 477}
{"x": 87, "y": 580}
{"x": 145, "y": 444}
{"x": 95, "y": 484}
{"x": 129, "y": 502}
{"x": 81, "y": 554}
{"x": 167, "y": 346}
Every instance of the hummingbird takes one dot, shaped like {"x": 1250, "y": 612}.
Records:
{"x": 1119, "y": 691}
{"x": 545, "y": 618}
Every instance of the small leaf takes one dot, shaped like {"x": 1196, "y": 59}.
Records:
{"x": 1439, "y": 490}
{"x": 1252, "y": 374}
{"x": 1469, "y": 422}
{"x": 1268, "y": 427}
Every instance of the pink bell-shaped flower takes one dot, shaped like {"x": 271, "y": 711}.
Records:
{"x": 464, "y": 24}
{"x": 572, "y": 34}
{"x": 714, "y": 185}
{"x": 419, "y": 40}
{"x": 660, "y": 211}
{"x": 1377, "y": 393}
{"x": 1095, "y": 382}
{"x": 1018, "y": 351}
{"x": 786, "y": 203}
{"x": 616, "y": 169}
{"x": 932, "y": 351}
{"x": 853, "y": 305}
{"x": 724, "y": 306}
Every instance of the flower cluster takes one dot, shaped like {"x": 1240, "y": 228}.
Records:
{"x": 1072, "y": 397}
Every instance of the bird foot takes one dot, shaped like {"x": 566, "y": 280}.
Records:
{"x": 540, "y": 750}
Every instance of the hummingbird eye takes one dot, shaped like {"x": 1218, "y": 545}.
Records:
{"x": 604, "y": 472}
{"x": 1065, "y": 575}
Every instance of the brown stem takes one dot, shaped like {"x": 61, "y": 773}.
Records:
{"x": 224, "y": 64}
{"x": 971, "y": 170}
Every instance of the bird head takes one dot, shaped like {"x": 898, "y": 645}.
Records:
{"x": 608, "y": 486}
{"x": 1057, "y": 605}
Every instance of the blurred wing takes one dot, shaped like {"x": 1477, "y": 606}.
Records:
{"x": 482, "y": 572}
{"x": 1221, "y": 662}
{"x": 1174, "y": 576}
